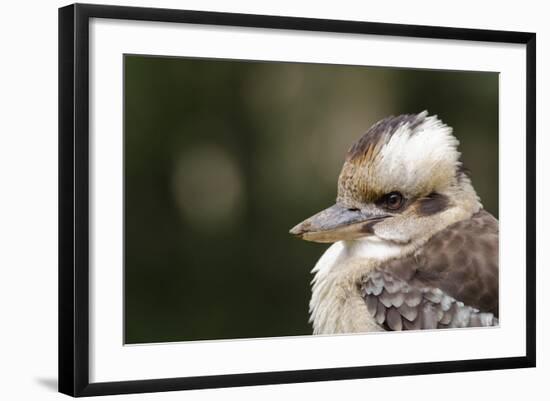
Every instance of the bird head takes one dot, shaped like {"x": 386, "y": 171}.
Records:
{"x": 401, "y": 182}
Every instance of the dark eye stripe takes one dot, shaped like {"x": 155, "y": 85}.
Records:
{"x": 432, "y": 204}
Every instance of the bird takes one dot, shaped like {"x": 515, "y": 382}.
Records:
{"x": 412, "y": 246}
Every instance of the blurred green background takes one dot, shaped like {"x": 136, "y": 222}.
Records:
{"x": 222, "y": 158}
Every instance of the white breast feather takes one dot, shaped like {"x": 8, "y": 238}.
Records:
{"x": 336, "y": 305}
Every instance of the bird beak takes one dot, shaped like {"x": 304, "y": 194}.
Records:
{"x": 338, "y": 223}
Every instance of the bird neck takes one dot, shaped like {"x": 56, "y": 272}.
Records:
{"x": 336, "y": 304}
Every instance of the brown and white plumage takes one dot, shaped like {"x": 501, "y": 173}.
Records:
{"x": 413, "y": 247}
{"x": 451, "y": 281}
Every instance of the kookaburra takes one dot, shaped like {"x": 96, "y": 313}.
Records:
{"x": 413, "y": 247}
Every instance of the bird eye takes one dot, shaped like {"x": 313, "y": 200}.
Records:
{"x": 393, "y": 200}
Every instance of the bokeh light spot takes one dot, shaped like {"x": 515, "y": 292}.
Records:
{"x": 208, "y": 187}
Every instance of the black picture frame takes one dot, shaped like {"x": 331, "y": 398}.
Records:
{"x": 74, "y": 198}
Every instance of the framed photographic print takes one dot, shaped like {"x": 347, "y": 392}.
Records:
{"x": 249, "y": 199}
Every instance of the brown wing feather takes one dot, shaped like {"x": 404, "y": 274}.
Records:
{"x": 452, "y": 281}
{"x": 462, "y": 261}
